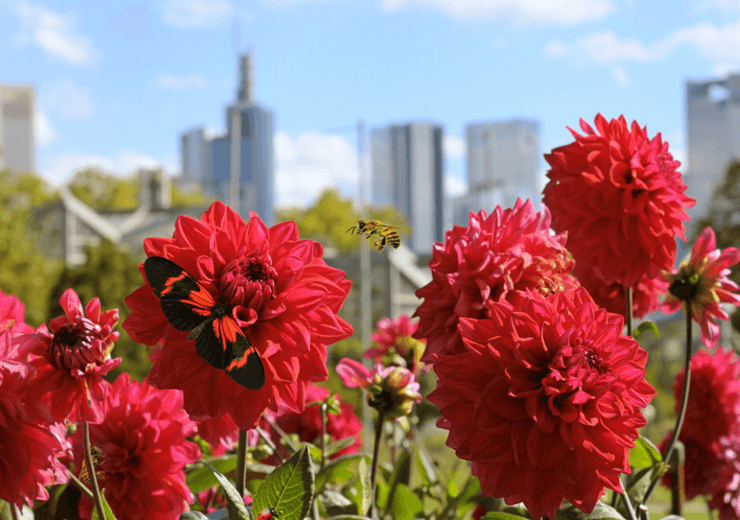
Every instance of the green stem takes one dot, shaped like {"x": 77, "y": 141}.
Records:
{"x": 13, "y": 512}
{"x": 269, "y": 442}
{"x": 628, "y": 309}
{"x": 91, "y": 470}
{"x": 241, "y": 463}
{"x": 627, "y": 501}
{"x": 682, "y": 410}
{"x": 323, "y": 434}
{"x": 374, "y": 471}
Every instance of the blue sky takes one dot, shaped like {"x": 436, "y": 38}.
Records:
{"x": 118, "y": 82}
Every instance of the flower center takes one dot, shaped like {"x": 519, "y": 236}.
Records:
{"x": 71, "y": 346}
{"x": 249, "y": 280}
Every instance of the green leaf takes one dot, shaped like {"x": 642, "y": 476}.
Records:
{"x": 106, "y": 510}
{"x": 338, "y": 470}
{"x": 365, "y": 489}
{"x": 645, "y": 325}
{"x": 602, "y": 511}
{"x": 335, "y": 447}
{"x": 425, "y": 465}
{"x": 645, "y": 454}
{"x": 234, "y": 503}
{"x": 200, "y": 477}
{"x": 348, "y": 517}
{"x": 289, "y": 489}
{"x": 497, "y": 515}
{"x": 401, "y": 474}
{"x": 335, "y": 503}
{"x": 406, "y": 505}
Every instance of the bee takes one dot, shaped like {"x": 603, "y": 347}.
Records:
{"x": 97, "y": 457}
{"x": 386, "y": 233}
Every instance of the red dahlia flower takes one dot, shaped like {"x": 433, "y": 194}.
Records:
{"x": 611, "y": 296}
{"x": 620, "y": 198}
{"x": 72, "y": 359}
{"x": 726, "y": 493}
{"x": 308, "y": 423}
{"x": 144, "y": 452}
{"x": 28, "y": 445}
{"x": 510, "y": 249}
{"x": 394, "y": 340}
{"x": 544, "y": 400}
{"x": 701, "y": 282}
{"x": 282, "y": 294}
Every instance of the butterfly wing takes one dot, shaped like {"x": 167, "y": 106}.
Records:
{"x": 224, "y": 345}
{"x": 185, "y": 302}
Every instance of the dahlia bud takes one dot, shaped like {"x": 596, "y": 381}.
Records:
{"x": 391, "y": 390}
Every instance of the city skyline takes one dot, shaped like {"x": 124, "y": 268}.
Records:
{"x": 116, "y": 84}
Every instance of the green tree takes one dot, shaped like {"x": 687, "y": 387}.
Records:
{"x": 24, "y": 271}
{"x": 723, "y": 216}
{"x": 329, "y": 219}
{"x": 111, "y": 275}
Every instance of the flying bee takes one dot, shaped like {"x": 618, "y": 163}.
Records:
{"x": 387, "y": 234}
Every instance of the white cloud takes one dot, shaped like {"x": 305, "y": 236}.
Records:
{"x": 537, "y": 12}
{"x": 620, "y": 75}
{"x": 165, "y": 80}
{"x": 454, "y": 185}
{"x": 454, "y": 146}
{"x": 45, "y": 133}
{"x": 712, "y": 41}
{"x": 725, "y": 69}
{"x": 53, "y": 32}
{"x": 69, "y": 100}
{"x": 726, "y": 6}
{"x": 62, "y": 167}
{"x": 308, "y": 163}
{"x": 201, "y": 14}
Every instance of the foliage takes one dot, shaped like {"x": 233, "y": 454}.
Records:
{"x": 723, "y": 216}
{"x": 111, "y": 275}
{"x": 108, "y": 191}
{"x": 24, "y": 272}
{"x": 328, "y": 220}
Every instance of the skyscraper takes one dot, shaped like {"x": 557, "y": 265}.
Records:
{"x": 408, "y": 173}
{"x": 236, "y": 167}
{"x": 503, "y": 165}
{"x": 713, "y": 136}
{"x": 17, "y": 128}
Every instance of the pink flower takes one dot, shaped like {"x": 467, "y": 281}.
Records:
{"x": 391, "y": 390}
{"x": 702, "y": 282}
{"x": 284, "y": 297}
{"x": 71, "y": 361}
{"x": 619, "y": 197}
{"x": 545, "y": 400}
{"x": 394, "y": 340}
{"x": 510, "y": 249}
{"x": 29, "y": 444}
{"x": 221, "y": 433}
{"x": 12, "y": 315}
{"x": 726, "y": 492}
{"x": 143, "y": 440}
{"x": 714, "y": 399}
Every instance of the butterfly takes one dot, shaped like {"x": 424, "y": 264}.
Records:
{"x": 219, "y": 340}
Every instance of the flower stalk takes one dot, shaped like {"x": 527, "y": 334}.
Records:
{"x": 91, "y": 470}
{"x": 376, "y": 451}
{"x": 241, "y": 463}
{"x": 628, "y": 309}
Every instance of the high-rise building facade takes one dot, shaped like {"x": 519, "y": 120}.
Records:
{"x": 713, "y": 136}
{"x": 236, "y": 167}
{"x": 408, "y": 173}
{"x": 503, "y": 165}
{"x": 17, "y": 128}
